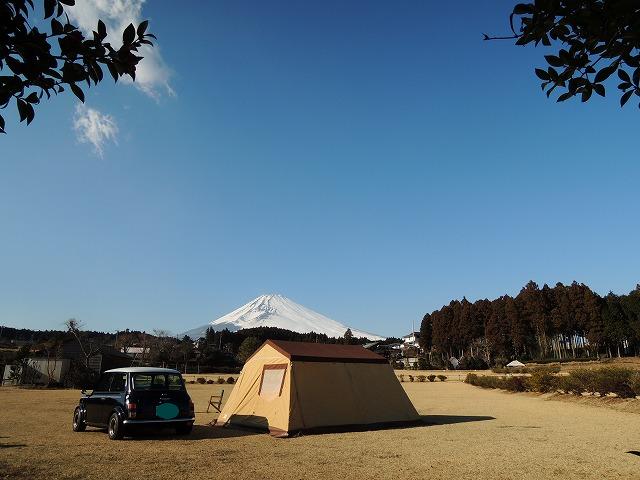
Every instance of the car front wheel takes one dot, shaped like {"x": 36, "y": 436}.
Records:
{"x": 79, "y": 425}
{"x": 115, "y": 427}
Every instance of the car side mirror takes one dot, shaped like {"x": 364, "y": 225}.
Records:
{"x": 87, "y": 390}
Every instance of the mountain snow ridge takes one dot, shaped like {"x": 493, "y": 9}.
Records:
{"x": 278, "y": 311}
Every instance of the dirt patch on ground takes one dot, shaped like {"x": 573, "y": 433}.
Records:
{"x": 468, "y": 432}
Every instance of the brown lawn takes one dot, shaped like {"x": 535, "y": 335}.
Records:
{"x": 469, "y": 433}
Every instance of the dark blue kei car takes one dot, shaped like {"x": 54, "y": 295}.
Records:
{"x": 125, "y": 399}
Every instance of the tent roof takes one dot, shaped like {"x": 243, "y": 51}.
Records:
{"x": 321, "y": 352}
{"x": 515, "y": 363}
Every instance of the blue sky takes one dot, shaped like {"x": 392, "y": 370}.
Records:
{"x": 369, "y": 160}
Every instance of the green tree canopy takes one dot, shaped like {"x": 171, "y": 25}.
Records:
{"x": 348, "y": 337}
{"x": 248, "y": 346}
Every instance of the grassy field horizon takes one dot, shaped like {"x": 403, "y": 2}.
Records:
{"x": 468, "y": 432}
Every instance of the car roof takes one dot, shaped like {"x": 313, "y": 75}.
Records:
{"x": 142, "y": 370}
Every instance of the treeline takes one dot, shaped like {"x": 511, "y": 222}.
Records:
{"x": 566, "y": 321}
{"x": 10, "y": 335}
{"x": 216, "y": 351}
{"x": 234, "y": 339}
{"x": 233, "y": 348}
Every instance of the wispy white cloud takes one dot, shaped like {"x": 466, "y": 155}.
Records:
{"x": 152, "y": 73}
{"x": 95, "y": 128}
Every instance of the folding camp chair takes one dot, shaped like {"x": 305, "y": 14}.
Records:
{"x": 215, "y": 401}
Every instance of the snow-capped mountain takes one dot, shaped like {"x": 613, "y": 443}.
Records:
{"x": 281, "y": 312}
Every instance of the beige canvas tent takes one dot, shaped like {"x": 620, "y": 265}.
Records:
{"x": 290, "y": 387}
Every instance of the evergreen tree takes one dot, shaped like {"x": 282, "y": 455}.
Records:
{"x": 247, "y": 348}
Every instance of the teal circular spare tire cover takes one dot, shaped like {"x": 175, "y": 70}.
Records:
{"x": 167, "y": 411}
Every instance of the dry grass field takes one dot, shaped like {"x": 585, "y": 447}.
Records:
{"x": 468, "y": 433}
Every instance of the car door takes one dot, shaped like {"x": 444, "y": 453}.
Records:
{"x": 94, "y": 404}
{"x": 116, "y": 394}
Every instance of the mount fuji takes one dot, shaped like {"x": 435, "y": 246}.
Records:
{"x": 281, "y": 312}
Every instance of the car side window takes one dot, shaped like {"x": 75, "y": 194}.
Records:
{"x": 141, "y": 382}
{"x": 158, "y": 381}
{"x": 118, "y": 383}
{"x": 174, "y": 382}
{"x": 103, "y": 383}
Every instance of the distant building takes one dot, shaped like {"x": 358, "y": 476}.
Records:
{"x": 137, "y": 353}
{"x": 390, "y": 351}
{"x": 133, "y": 351}
{"x": 410, "y": 349}
{"x": 41, "y": 370}
{"x": 411, "y": 340}
{"x": 105, "y": 357}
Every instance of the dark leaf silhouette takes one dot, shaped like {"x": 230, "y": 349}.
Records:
{"x": 625, "y": 97}
{"x": 34, "y": 69}
{"x": 129, "y": 35}
{"x": 594, "y": 39}
{"x": 77, "y": 91}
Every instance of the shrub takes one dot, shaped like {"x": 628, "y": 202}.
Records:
{"x": 516, "y": 384}
{"x": 541, "y": 381}
{"x": 210, "y": 381}
{"x": 605, "y": 380}
{"x": 615, "y": 380}
{"x": 442, "y": 378}
{"x": 201, "y": 380}
{"x": 437, "y": 363}
{"x": 191, "y": 381}
{"x": 484, "y": 381}
{"x": 401, "y": 377}
{"x": 567, "y": 360}
{"x": 472, "y": 363}
{"x": 586, "y": 380}
{"x": 231, "y": 380}
{"x": 635, "y": 383}
{"x": 471, "y": 378}
{"x": 411, "y": 378}
{"x": 500, "y": 362}
{"x": 569, "y": 384}
{"x": 511, "y": 370}
{"x": 423, "y": 364}
{"x": 421, "y": 378}
{"x": 546, "y": 369}
{"x": 431, "y": 378}
{"x": 220, "y": 380}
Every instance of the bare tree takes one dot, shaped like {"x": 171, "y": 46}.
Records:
{"x": 161, "y": 347}
{"x": 52, "y": 349}
{"x": 88, "y": 349}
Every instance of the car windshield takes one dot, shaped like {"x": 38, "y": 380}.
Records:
{"x": 157, "y": 381}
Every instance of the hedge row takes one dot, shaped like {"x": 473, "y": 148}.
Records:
{"x": 421, "y": 378}
{"x": 623, "y": 382}
{"x": 202, "y": 380}
{"x": 548, "y": 369}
